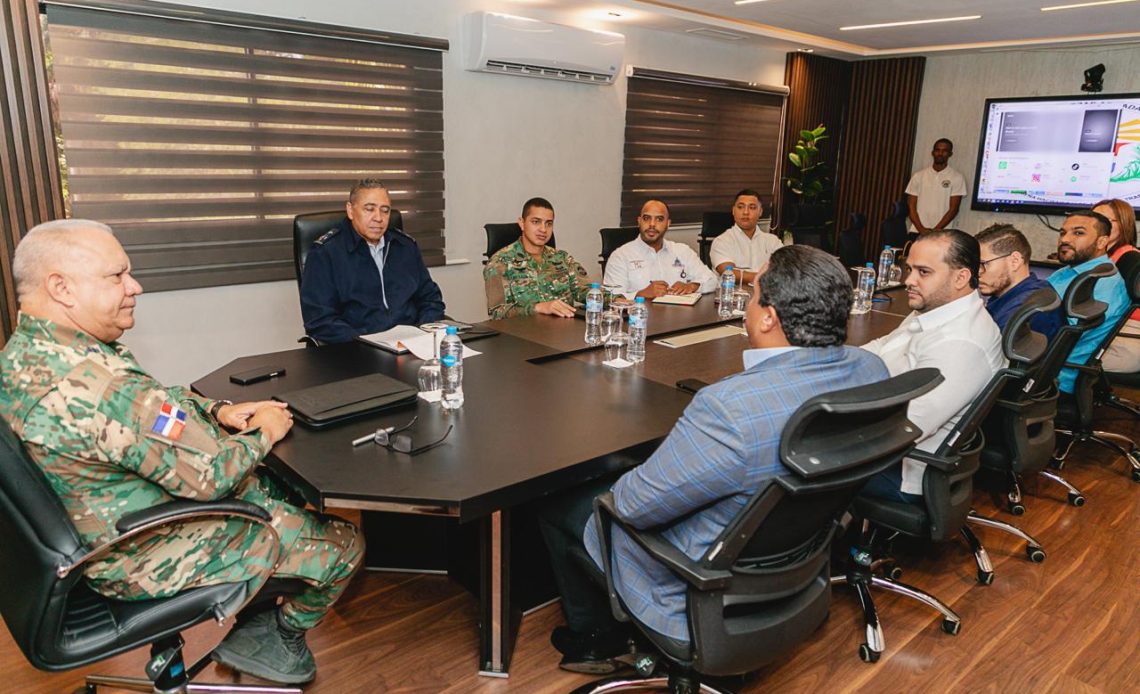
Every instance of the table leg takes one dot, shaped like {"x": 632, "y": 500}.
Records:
{"x": 498, "y": 621}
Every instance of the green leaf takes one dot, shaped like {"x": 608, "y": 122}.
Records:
{"x": 807, "y": 135}
{"x": 816, "y": 187}
{"x": 819, "y": 130}
{"x": 794, "y": 158}
{"x": 800, "y": 150}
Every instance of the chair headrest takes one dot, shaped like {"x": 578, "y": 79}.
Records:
{"x": 1019, "y": 342}
{"x": 1129, "y": 268}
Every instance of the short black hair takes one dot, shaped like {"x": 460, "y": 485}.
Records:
{"x": 948, "y": 141}
{"x": 1103, "y": 226}
{"x": 1005, "y": 239}
{"x": 747, "y": 191}
{"x": 536, "y": 202}
{"x": 963, "y": 252}
{"x": 811, "y": 292}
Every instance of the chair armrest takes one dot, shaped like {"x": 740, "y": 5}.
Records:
{"x": 1094, "y": 370}
{"x": 183, "y": 510}
{"x": 309, "y": 341}
{"x": 700, "y": 577}
{"x": 1130, "y": 336}
{"x": 935, "y": 461}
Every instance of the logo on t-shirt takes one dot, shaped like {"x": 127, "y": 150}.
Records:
{"x": 946, "y": 183}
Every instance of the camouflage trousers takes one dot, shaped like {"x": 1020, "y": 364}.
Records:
{"x": 321, "y": 550}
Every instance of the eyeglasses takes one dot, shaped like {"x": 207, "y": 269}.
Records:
{"x": 982, "y": 264}
{"x": 394, "y": 439}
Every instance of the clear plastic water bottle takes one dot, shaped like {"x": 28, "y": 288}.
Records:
{"x": 864, "y": 290}
{"x": 451, "y": 365}
{"x": 594, "y": 315}
{"x": 638, "y": 323}
{"x": 726, "y": 292}
{"x": 886, "y": 260}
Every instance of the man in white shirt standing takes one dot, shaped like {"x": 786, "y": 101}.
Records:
{"x": 745, "y": 246}
{"x": 948, "y": 329}
{"x": 935, "y": 194}
{"x": 650, "y": 266}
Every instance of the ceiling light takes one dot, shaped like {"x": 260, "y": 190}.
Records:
{"x": 1084, "y": 4}
{"x": 745, "y": 2}
{"x": 911, "y": 22}
{"x": 806, "y": 50}
{"x": 614, "y": 14}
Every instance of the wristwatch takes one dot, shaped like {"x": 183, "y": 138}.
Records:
{"x": 217, "y": 406}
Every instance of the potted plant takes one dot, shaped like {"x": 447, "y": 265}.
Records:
{"x": 809, "y": 183}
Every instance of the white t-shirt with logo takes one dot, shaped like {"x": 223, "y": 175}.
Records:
{"x": 934, "y": 190}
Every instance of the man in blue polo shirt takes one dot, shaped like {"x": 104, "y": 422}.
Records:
{"x": 1004, "y": 276}
{"x": 363, "y": 277}
{"x": 1083, "y": 245}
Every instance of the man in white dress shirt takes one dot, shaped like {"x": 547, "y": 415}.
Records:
{"x": 948, "y": 329}
{"x": 745, "y": 245}
{"x": 650, "y": 266}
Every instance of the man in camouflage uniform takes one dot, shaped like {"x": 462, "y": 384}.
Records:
{"x": 526, "y": 277}
{"x": 112, "y": 440}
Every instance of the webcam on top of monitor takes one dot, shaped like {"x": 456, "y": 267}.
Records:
{"x": 1094, "y": 79}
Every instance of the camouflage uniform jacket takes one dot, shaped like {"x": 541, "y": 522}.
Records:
{"x": 109, "y": 438}
{"x": 515, "y": 281}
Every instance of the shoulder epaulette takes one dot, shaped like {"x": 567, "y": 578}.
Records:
{"x": 401, "y": 233}
{"x": 326, "y": 236}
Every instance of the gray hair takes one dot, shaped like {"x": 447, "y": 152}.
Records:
{"x": 41, "y": 245}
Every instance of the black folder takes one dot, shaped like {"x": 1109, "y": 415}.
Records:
{"x": 319, "y": 406}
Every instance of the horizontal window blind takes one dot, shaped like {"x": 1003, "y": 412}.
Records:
{"x": 199, "y": 141}
{"x": 694, "y": 145}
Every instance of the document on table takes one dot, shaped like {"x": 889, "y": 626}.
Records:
{"x": 701, "y": 336}
{"x": 678, "y": 299}
{"x": 408, "y": 338}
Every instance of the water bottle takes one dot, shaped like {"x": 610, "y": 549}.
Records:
{"x": 451, "y": 365}
{"x": 726, "y": 292}
{"x": 864, "y": 289}
{"x": 886, "y": 260}
{"x": 638, "y": 323}
{"x": 594, "y": 315}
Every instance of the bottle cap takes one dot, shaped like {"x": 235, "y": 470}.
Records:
{"x": 728, "y": 267}
{"x": 593, "y": 285}
{"x": 870, "y": 265}
{"x": 452, "y": 330}
{"x": 639, "y": 300}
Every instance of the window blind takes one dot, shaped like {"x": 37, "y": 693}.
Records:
{"x": 199, "y": 137}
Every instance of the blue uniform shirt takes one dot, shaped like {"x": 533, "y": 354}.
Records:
{"x": 344, "y": 294}
{"x": 1003, "y": 307}
{"x": 1110, "y": 290}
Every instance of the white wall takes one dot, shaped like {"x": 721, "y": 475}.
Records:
{"x": 505, "y": 139}
{"x": 954, "y": 91}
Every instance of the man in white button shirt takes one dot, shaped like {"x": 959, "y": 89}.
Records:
{"x": 948, "y": 329}
{"x": 650, "y": 266}
{"x": 934, "y": 194}
{"x": 745, "y": 245}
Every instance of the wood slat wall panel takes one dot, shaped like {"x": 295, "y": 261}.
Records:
{"x": 197, "y": 141}
{"x": 819, "y": 89}
{"x": 31, "y": 188}
{"x": 695, "y": 146}
{"x": 878, "y": 141}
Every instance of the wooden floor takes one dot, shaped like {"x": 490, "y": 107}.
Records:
{"x": 1069, "y": 625}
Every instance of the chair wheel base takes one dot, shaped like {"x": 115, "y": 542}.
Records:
{"x": 985, "y": 577}
{"x": 1017, "y": 509}
{"x": 1035, "y": 554}
{"x": 867, "y": 655}
{"x": 894, "y": 573}
{"x": 1078, "y": 500}
{"x": 952, "y": 627}
{"x": 1136, "y": 475}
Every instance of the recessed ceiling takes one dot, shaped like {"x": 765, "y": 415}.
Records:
{"x": 816, "y": 23}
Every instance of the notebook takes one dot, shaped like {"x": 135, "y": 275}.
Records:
{"x": 319, "y": 406}
{"x": 678, "y": 299}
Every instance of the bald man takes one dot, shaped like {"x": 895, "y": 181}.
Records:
{"x": 111, "y": 440}
{"x": 650, "y": 266}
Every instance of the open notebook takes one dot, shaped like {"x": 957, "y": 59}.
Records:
{"x": 678, "y": 299}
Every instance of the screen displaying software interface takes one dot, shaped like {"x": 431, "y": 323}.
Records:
{"x": 1068, "y": 152}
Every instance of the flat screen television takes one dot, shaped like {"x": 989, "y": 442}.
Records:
{"x": 1051, "y": 154}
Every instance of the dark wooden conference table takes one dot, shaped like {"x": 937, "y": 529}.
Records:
{"x": 541, "y": 415}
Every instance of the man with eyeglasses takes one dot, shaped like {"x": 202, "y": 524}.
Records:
{"x": 650, "y": 266}
{"x": 1004, "y": 276}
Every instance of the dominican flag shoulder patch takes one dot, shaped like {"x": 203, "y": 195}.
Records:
{"x": 170, "y": 422}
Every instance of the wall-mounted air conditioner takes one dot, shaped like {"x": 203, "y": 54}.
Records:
{"x": 508, "y": 45}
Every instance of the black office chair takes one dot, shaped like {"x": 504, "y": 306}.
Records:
{"x": 851, "y": 241}
{"x": 614, "y": 238}
{"x": 1075, "y": 413}
{"x": 1105, "y": 392}
{"x": 811, "y": 226}
{"x": 764, "y": 586}
{"x": 309, "y": 227}
{"x": 1019, "y": 429}
{"x": 713, "y": 224}
{"x": 945, "y": 511}
{"x": 502, "y": 235}
{"x": 893, "y": 232}
{"x": 60, "y": 623}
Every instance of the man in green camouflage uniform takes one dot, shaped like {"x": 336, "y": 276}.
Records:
{"x": 527, "y": 277}
{"x": 112, "y": 440}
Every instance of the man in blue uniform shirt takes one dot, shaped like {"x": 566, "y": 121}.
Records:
{"x": 1082, "y": 245}
{"x": 363, "y": 277}
{"x": 724, "y": 448}
{"x": 1004, "y": 276}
